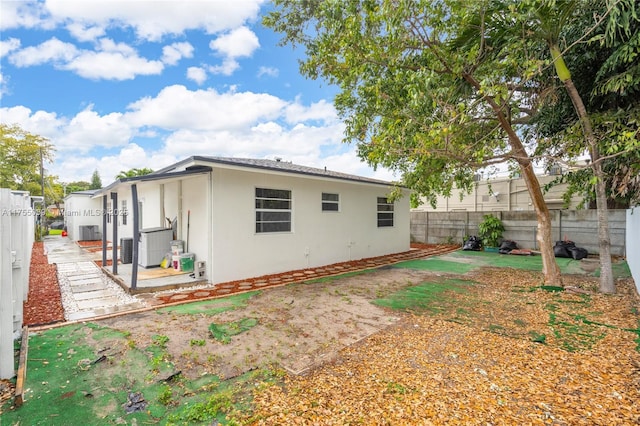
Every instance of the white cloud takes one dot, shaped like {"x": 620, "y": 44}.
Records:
{"x": 197, "y": 74}
{"x": 227, "y": 67}
{"x": 113, "y": 66}
{"x": 240, "y": 42}
{"x": 322, "y": 110}
{"x": 151, "y": 20}
{"x": 173, "y": 53}
{"x": 268, "y": 71}
{"x": 46, "y": 124}
{"x": 83, "y": 32}
{"x": 88, "y": 129}
{"x": 3, "y": 85}
{"x": 16, "y": 14}
{"x": 111, "y": 60}
{"x": 52, "y": 50}
{"x": 176, "y": 107}
{"x": 7, "y": 46}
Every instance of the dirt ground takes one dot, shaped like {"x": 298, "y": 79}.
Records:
{"x": 298, "y": 326}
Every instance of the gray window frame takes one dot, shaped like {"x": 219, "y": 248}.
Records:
{"x": 327, "y": 202}
{"x": 271, "y": 207}
{"x": 385, "y": 210}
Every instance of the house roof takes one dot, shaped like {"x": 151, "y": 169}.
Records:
{"x": 272, "y": 165}
{"x": 88, "y": 193}
{"x": 202, "y": 164}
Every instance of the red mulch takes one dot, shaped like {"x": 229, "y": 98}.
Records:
{"x": 43, "y": 304}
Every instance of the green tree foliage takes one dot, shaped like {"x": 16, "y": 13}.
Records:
{"x": 432, "y": 89}
{"x": 77, "y": 186}
{"x": 20, "y": 155}
{"x": 133, "y": 173}
{"x": 96, "y": 182}
{"x": 612, "y": 101}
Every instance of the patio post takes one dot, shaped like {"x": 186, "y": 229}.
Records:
{"x": 136, "y": 238}
{"x": 114, "y": 244}
{"x": 104, "y": 230}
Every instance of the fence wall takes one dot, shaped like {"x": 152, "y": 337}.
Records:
{"x": 633, "y": 243}
{"x": 579, "y": 226}
{"x": 16, "y": 241}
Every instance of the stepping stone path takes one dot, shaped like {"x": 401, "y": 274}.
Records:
{"x": 85, "y": 290}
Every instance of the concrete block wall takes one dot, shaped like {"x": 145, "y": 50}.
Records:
{"x": 579, "y": 226}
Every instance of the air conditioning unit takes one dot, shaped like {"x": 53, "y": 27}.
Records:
{"x": 89, "y": 233}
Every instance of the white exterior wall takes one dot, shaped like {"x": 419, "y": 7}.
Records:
{"x": 149, "y": 198}
{"x": 196, "y": 229}
{"x": 81, "y": 210}
{"x": 317, "y": 238}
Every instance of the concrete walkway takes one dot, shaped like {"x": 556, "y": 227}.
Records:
{"x": 86, "y": 291}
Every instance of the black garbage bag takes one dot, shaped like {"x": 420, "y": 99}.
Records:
{"x": 578, "y": 252}
{"x": 473, "y": 243}
{"x": 561, "y": 249}
{"x": 507, "y": 246}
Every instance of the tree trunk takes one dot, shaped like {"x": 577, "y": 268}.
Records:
{"x": 550, "y": 268}
{"x": 607, "y": 285}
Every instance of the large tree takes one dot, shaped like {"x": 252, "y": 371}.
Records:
{"x": 21, "y": 156}
{"x": 96, "y": 182}
{"x": 430, "y": 89}
{"x": 571, "y": 23}
{"x": 133, "y": 173}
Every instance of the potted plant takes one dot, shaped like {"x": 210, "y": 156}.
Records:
{"x": 490, "y": 231}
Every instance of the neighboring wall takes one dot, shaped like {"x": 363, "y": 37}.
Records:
{"x": 575, "y": 225}
{"x": 633, "y": 243}
{"x": 16, "y": 242}
{"x": 500, "y": 195}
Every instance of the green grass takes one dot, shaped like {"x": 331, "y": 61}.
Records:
{"x": 620, "y": 270}
{"x": 68, "y": 383}
{"x": 529, "y": 263}
{"x": 223, "y": 332}
{"x": 428, "y": 296}
{"x": 436, "y": 264}
{"x": 210, "y": 307}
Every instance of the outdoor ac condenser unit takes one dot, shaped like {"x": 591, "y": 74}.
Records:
{"x": 89, "y": 233}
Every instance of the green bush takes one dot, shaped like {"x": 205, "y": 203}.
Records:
{"x": 490, "y": 230}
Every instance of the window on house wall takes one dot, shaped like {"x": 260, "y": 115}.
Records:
{"x": 385, "y": 212}
{"x": 124, "y": 212}
{"x": 273, "y": 210}
{"x": 108, "y": 212}
{"x": 330, "y": 202}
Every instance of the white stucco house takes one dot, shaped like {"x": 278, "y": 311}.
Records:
{"x": 247, "y": 217}
{"x": 82, "y": 216}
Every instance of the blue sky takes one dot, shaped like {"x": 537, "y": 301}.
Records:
{"x": 116, "y": 85}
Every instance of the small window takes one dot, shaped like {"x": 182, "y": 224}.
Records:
{"x": 124, "y": 212}
{"x": 330, "y": 202}
{"x": 108, "y": 212}
{"x": 385, "y": 212}
{"x": 273, "y": 210}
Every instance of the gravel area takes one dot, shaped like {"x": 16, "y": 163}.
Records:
{"x": 80, "y": 277}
